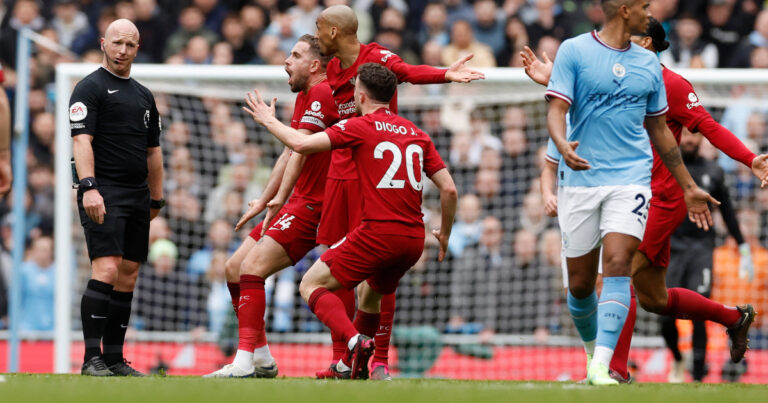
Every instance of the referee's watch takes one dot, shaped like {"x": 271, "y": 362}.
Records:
{"x": 156, "y": 204}
{"x": 87, "y": 184}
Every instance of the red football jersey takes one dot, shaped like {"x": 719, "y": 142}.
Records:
{"x": 314, "y": 111}
{"x": 2, "y": 77}
{"x": 684, "y": 110}
{"x": 390, "y": 153}
{"x": 342, "y": 82}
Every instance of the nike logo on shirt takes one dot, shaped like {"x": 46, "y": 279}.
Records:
{"x": 111, "y": 91}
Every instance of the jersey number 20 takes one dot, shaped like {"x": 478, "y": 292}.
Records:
{"x": 387, "y": 181}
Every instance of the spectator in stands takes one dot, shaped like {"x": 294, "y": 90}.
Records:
{"x": 269, "y": 51}
{"x": 43, "y": 136}
{"x": 458, "y": 10}
{"x": 549, "y": 45}
{"x": 433, "y": 27}
{"x": 233, "y": 32}
{"x": 40, "y": 181}
{"x": 463, "y": 43}
{"x": 756, "y": 131}
{"x": 475, "y": 282}
{"x": 432, "y": 54}
{"x": 167, "y": 299}
{"x": 550, "y": 21}
{"x": 287, "y": 31}
{"x": 375, "y": 8}
{"x": 219, "y": 240}
{"x": 190, "y": 25}
{"x": 239, "y": 181}
{"x": 304, "y": 14}
{"x": 69, "y": 21}
{"x": 184, "y": 220}
{"x": 488, "y": 24}
{"x": 392, "y": 39}
{"x": 25, "y": 13}
{"x": 37, "y": 284}
{"x": 532, "y": 219}
{"x": 758, "y": 58}
{"x": 90, "y": 39}
{"x": 154, "y": 26}
{"x": 218, "y": 304}
{"x": 759, "y": 37}
{"x": 213, "y": 12}
{"x": 197, "y": 51}
{"x": 488, "y": 189}
{"x": 516, "y": 38}
{"x": 221, "y": 54}
{"x": 124, "y": 10}
{"x": 468, "y": 226}
{"x": 724, "y": 27}
{"x": 687, "y": 47}
{"x": 482, "y": 136}
{"x": 254, "y": 20}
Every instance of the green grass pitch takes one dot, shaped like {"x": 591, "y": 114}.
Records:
{"x": 74, "y": 388}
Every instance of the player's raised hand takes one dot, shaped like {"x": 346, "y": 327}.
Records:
{"x": 273, "y": 207}
{"x": 254, "y": 208}
{"x": 572, "y": 159}
{"x": 257, "y": 108}
{"x": 443, "y": 240}
{"x": 458, "y": 72}
{"x": 760, "y": 169}
{"x": 538, "y": 70}
{"x": 698, "y": 211}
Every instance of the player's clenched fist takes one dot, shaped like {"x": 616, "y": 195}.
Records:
{"x": 93, "y": 204}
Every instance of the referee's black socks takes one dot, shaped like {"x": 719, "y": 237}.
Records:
{"x": 94, "y": 311}
{"x": 117, "y": 324}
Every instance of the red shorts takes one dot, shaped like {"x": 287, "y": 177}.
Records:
{"x": 663, "y": 219}
{"x": 366, "y": 254}
{"x": 294, "y": 228}
{"x": 342, "y": 210}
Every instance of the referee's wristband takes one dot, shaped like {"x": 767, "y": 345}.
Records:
{"x": 156, "y": 204}
{"x": 87, "y": 184}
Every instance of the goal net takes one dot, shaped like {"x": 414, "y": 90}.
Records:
{"x": 495, "y": 309}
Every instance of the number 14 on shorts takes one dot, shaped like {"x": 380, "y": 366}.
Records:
{"x": 284, "y": 222}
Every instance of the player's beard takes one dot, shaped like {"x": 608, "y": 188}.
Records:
{"x": 299, "y": 82}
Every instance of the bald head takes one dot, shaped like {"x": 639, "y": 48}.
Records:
{"x": 123, "y": 28}
{"x": 341, "y": 17}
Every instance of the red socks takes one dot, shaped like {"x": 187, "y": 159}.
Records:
{"x": 330, "y": 310}
{"x": 686, "y": 304}
{"x": 381, "y": 353}
{"x": 621, "y": 353}
{"x": 251, "y": 308}
{"x": 234, "y": 292}
{"x": 347, "y": 297}
{"x": 367, "y": 323}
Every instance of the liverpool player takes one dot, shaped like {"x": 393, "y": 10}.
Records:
{"x": 281, "y": 242}
{"x": 667, "y": 208}
{"x": 337, "y": 32}
{"x": 390, "y": 153}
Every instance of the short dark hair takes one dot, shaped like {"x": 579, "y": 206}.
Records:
{"x": 314, "y": 48}
{"x": 380, "y": 82}
{"x": 658, "y": 37}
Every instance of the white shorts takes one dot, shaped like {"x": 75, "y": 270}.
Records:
{"x": 564, "y": 266}
{"x": 587, "y": 214}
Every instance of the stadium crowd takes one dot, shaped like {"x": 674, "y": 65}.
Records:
{"x": 503, "y": 273}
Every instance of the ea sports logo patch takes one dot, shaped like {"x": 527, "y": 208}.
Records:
{"x": 315, "y": 106}
{"x": 146, "y": 118}
{"x": 692, "y": 97}
{"x": 619, "y": 70}
{"x": 78, "y": 111}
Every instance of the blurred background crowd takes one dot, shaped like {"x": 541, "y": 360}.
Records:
{"x": 503, "y": 272}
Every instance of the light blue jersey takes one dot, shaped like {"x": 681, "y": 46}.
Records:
{"x": 610, "y": 91}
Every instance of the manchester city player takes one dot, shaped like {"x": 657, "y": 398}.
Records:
{"x": 611, "y": 87}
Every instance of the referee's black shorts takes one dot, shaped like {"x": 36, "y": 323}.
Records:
{"x": 125, "y": 231}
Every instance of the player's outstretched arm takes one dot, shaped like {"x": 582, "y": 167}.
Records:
{"x": 537, "y": 70}
{"x": 265, "y": 115}
{"x": 292, "y": 172}
{"x": 727, "y": 142}
{"x": 458, "y": 72}
{"x": 448, "y": 200}
{"x": 556, "y": 125}
{"x": 256, "y": 206}
{"x": 547, "y": 183}
{"x": 155, "y": 177}
{"x": 665, "y": 144}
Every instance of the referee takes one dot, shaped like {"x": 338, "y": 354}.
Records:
{"x": 116, "y": 144}
{"x": 690, "y": 265}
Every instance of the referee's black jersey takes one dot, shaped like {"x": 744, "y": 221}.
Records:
{"x": 122, "y": 117}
